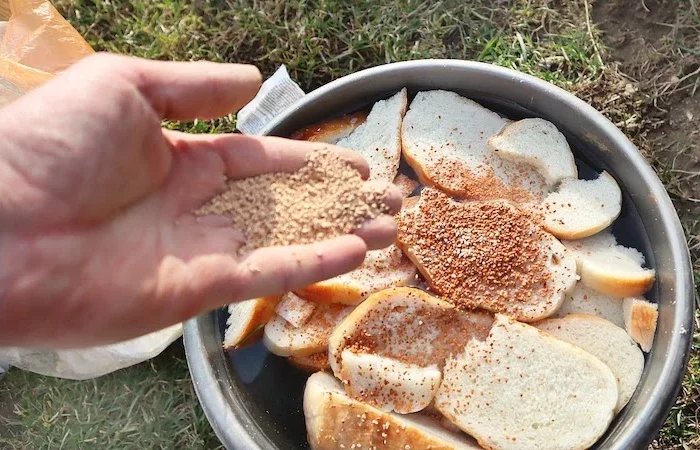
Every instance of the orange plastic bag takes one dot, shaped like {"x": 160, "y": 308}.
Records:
{"x": 37, "y": 43}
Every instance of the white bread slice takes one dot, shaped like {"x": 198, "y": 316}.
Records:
{"x": 584, "y": 300}
{"x": 406, "y": 185}
{"x": 431, "y": 411}
{"x": 407, "y": 324}
{"x": 605, "y": 341}
{"x": 378, "y": 139}
{"x": 640, "y": 321}
{"x": 611, "y": 268}
{"x": 332, "y": 130}
{"x": 389, "y": 384}
{"x": 246, "y": 320}
{"x": 522, "y": 389}
{"x": 444, "y": 140}
{"x": 475, "y": 254}
{"x": 582, "y": 208}
{"x": 335, "y": 421}
{"x": 539, "y": 143}
{"x": 381, "y": 269}
{"x": 312, "y": 363}
{"x": 389, "y": 350}
{"x": 284, "y": 339}
{"x": 294, "y": 309}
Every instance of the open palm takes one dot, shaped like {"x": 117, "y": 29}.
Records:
{"x": 97, "y": 241}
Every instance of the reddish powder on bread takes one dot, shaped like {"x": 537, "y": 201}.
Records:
{"x": 477, "y": 254}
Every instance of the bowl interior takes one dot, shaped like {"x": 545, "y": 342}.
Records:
{"x": 265, "y": 392}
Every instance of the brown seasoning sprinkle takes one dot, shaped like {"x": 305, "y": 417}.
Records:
{"x": 476, "y": 254}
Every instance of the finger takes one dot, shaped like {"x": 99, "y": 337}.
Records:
{"x": 275, "y": 270}
{"x": 392, "y": 197}
{"x": 247, "y": 156}
{"x": 378, "y": 233}
{"x": 187, "y": 90}
{"x": 214, "y": 280}
{"x": 211, "y": 280}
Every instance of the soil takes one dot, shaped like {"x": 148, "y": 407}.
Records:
{"x": 656, "y": 44}
{"x": 642, "y": 36}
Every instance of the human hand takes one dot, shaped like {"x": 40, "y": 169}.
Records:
{"x": 97, "y": 240}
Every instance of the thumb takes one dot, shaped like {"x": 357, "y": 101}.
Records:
{"x": 190, "y": 90}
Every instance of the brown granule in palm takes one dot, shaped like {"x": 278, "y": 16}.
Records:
{"x": 476, "y": 254}
{"x": 326, "y": 198}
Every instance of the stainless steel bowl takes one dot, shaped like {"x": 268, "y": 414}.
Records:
{"x": 253, "y": 400}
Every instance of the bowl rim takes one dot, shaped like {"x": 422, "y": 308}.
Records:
{"x": 235, "y": 435}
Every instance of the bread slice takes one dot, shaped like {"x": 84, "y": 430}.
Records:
{"x": 406, "y": 185}
{"x": 294, "y": 309}
{"x": 523, "y": 389}
{"x": 611, "y": 268}
{"x": 381, "y": 269}
{"x": 378, "y": 139}
{"x": 605, "y": 341}
{"x": 539, "y": 143}
{"x": 390, "y": 349}
{"x": 431, "y": 411}
{"x": 246, "y": 320}
{"x": 388, "y": 384}
{"x": 406, "y": 324}
{"x": 335, "y": 421}
{"x": 332, "y": 130}
{"x": 284, "y": 339}
{"x": 316, "y": 362}
{"x": 444, "y": 140}
{"x": 582, "y": 208}
{"x": 640, "y": 321}
{"x": 584, "y": 300}
{"x": 487, "y": 254}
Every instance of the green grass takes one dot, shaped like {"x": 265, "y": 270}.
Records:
{"x": 149, "y": 406}
{"x": 152, "y": 405}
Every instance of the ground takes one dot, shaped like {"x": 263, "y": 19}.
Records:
{"x": 638, "y": 61}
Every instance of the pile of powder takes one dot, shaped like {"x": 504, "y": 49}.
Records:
{"x": 478, "y": 254}
{"x": 325, "y": 198}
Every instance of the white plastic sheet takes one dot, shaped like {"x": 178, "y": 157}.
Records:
{"x": 85, "y": 363}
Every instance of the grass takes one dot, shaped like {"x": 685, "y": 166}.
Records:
{"x": 149, "y": 406}
{"x": 152, "y": 405}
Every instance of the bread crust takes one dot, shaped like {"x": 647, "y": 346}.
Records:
{"x": 331, "y": 131}
{"x": 633, "y": 285}
{"x": 641, "y": 318}
{"x": 382, "y": 269}
{"x": 283, "y": 339}
{"x": 316, "y": 362}
{"x": 335, "y": 421}
{"x": 250, "y": 316}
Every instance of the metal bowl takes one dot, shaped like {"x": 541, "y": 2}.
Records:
{"x": 253, "y": 399}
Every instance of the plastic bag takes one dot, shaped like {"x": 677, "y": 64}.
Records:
{"x": 85, "y": 363}
{"x": 276, "y": 94}
{"x": 37, "y": 43}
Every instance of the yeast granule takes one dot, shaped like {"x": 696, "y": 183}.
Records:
{"x": 325, "y": 198}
